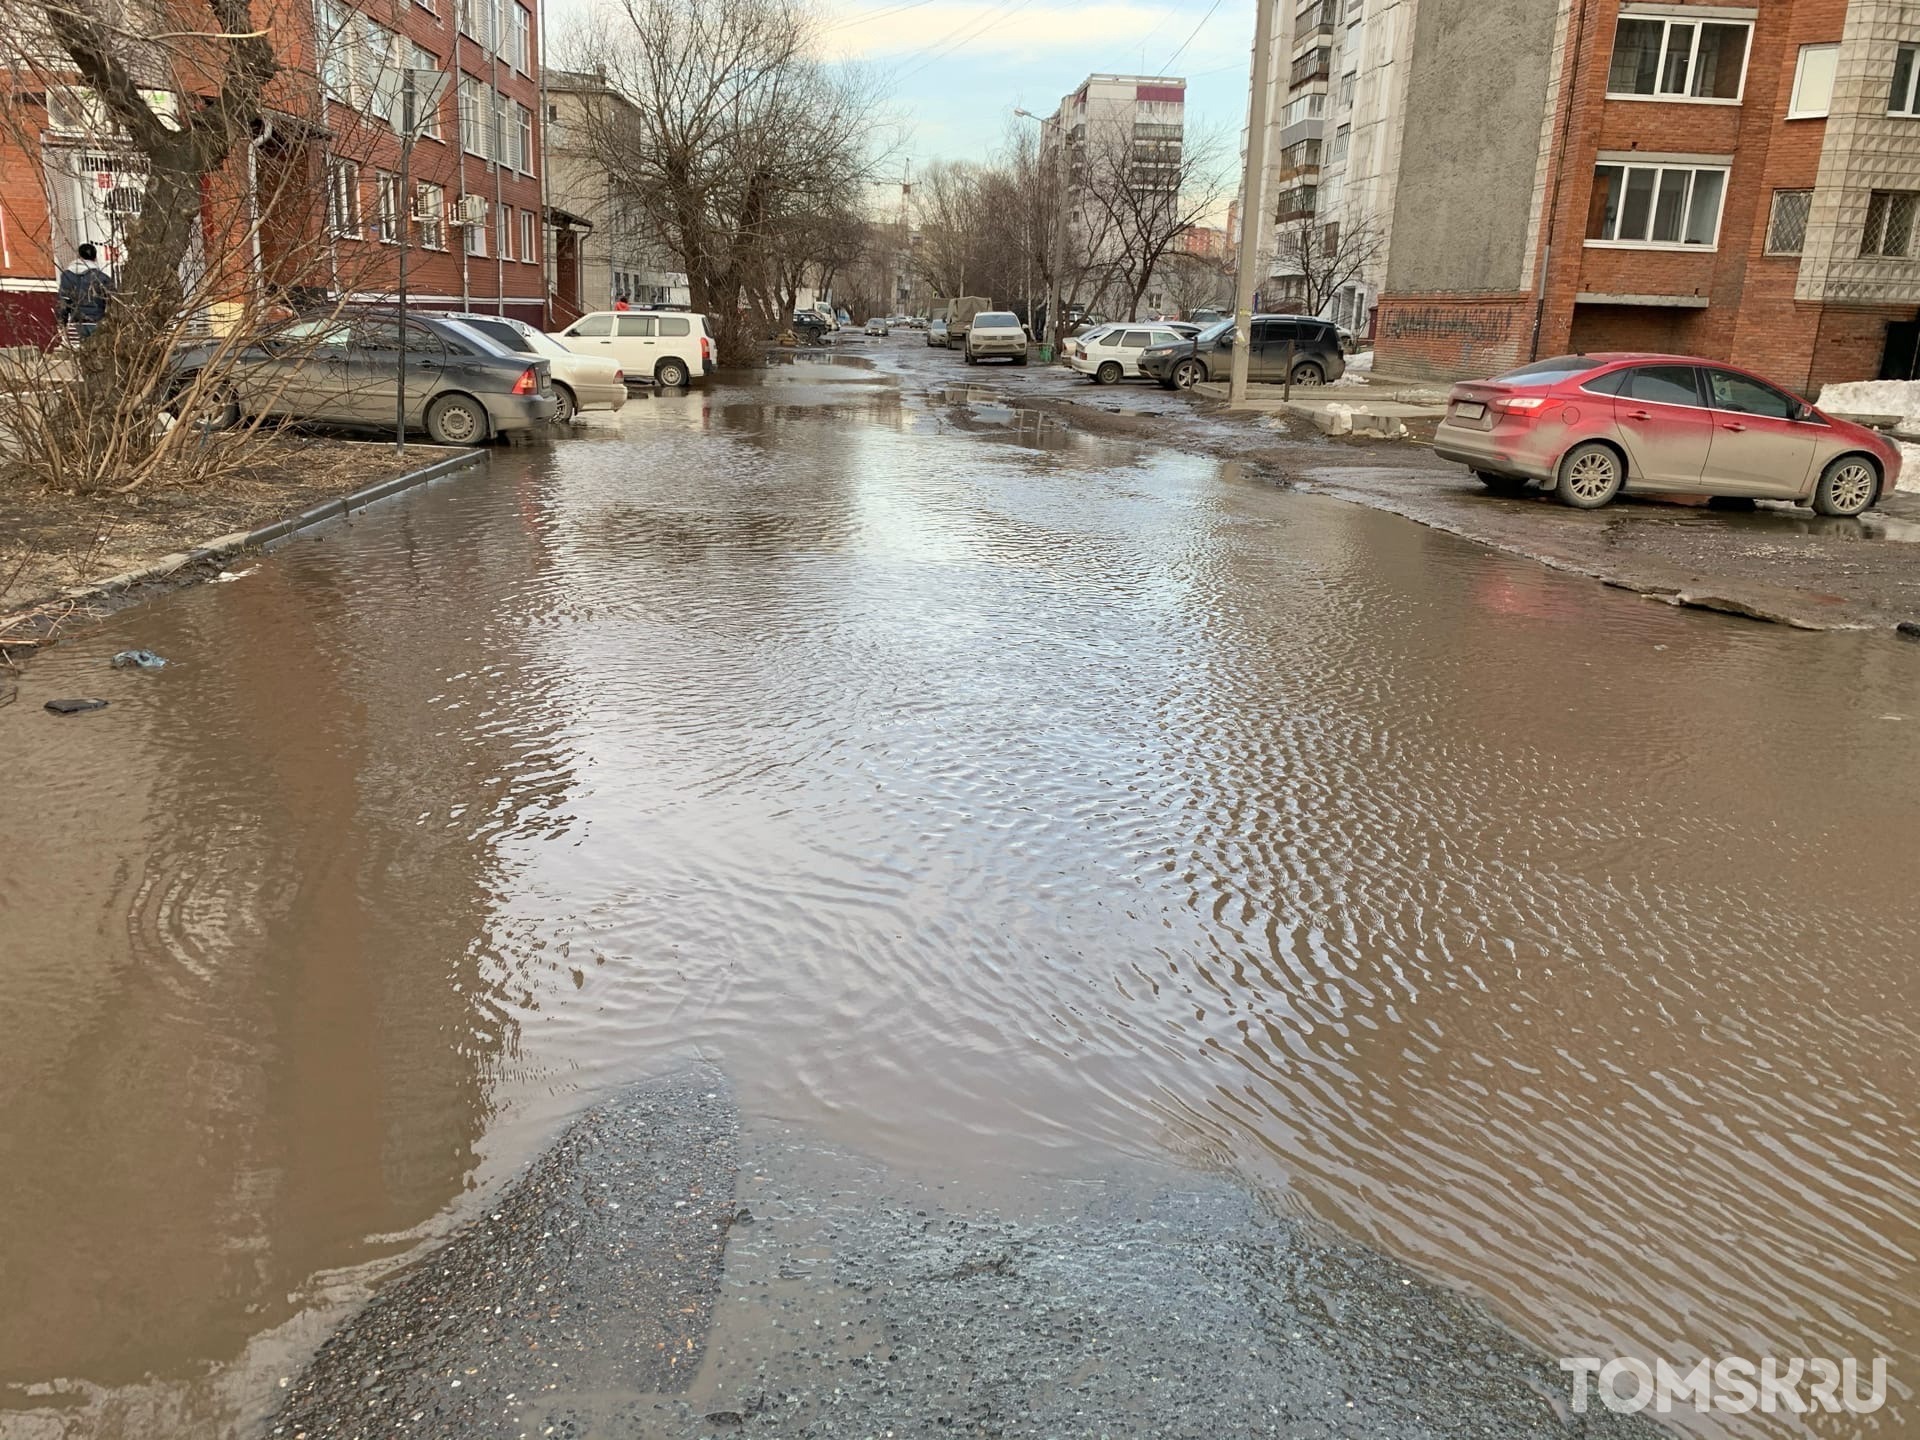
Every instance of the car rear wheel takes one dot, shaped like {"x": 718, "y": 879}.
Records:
{"x": 1109, "y": 373}
{"x": 1500, "y": 484}
{"x": 1309, "y": 372}
{"x": 1847, "y": 486}
{"x": 566, "y": 406}
{"x": 1188, "y": 373}
{"x": 1590, "y": 476}
{"x": 671, "y": 374}
{"x": 215, "y": 409}
{"x": 457, "y": 420}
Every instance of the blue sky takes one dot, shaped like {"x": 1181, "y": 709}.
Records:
{"x": 957, "y": 68}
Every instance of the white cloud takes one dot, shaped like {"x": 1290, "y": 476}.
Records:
{"x": 1084, "y": 36}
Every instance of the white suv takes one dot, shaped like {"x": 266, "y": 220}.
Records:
{"x": 670, "y": 347}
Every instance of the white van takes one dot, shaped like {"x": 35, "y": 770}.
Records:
{"x": 670, "y": 347}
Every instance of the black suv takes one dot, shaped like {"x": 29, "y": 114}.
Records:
{"x": 1311, "y": 346}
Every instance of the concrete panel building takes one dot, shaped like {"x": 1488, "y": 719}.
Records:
{"x": 1740, "y": 181}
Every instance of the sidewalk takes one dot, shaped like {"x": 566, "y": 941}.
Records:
{"x": 1380, "y": 403}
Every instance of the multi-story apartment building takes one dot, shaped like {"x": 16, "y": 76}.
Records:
{"x": 616, "y": 253}
{"x": 1115, "y": 130}
{"x": 1738, "y": 181}
{"x": 1336, "y": 108}
{"x": 313, "y": 207}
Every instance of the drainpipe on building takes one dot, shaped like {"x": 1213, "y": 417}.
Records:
{"x": 500, "y": 143}
{"x": 547, "y": 276}
{"x": 460, "y": 157}
{"x": 1571, "y": 90}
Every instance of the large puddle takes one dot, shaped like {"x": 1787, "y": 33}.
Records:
{"x": 990, "y": 809}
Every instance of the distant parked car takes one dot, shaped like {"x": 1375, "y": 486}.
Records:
{"x": 1202, "y": 318}
{"x": 996, "y": 332}
{"x": 1588, "y": 426}
{"x": 1309, "y": 343}
{"x": 668, "y": 347}
{"x": 344, "y": 369}
{"x": 580, "y": 382}
{"x": 937, "y": 333}
{"x": 878, "y": 327}
{"x": 1113, "y": 352}
{"x": 811, "y": 326}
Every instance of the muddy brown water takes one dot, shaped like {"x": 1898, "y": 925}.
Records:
{"x": 992, "y": 800}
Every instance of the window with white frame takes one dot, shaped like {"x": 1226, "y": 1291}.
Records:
{"x": 476, "y": 110}
{"x": 1904, "y": 98}
{"x": 426, "y": 113}
{"x": 476, "y": 20}
{"x": 519, "y": 51}
{"x": 386, "y": 206}
{"x": 1787, "y": 225}
{"x": 526, "y": 140}
{"x": 1889, "y": 229}
{"x": 476, "y": 235}
{"x": 502, "y": 45}
{"x": 505, "y": 238}
{"x": 430, "y": 212}
{"x": 1665, "y": 58}
{"x": 1305, "y": 107}
{"x": 502, "y": 129}
{"x": 529, "y": 237}
{"x": 343, "y": 197}
{"x": 1813, "y": 82}
{"x": 1656, "y": 206}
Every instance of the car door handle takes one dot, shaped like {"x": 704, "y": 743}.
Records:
{"x": 1734, "y": 427}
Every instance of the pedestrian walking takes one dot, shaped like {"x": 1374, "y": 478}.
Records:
{"x": 620, "y": 303}
{"x": 85, "y": 290}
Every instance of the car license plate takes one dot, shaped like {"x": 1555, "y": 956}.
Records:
{"x": 1469, "y": 409}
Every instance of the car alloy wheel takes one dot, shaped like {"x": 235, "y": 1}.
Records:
{"x": 565, "y": 407}
{"x": 1188, "y": 373}
{"x": 1847, "y": 487}
{"x": 1590, "y": 476}
{"x": 1109, "y": 372}
{"x": 1308, "y": 372}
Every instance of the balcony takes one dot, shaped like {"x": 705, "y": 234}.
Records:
{"x": 1296, "y": 203}
{"x": 1316, "y": 64}
{"x": 1300, "y": 161}
{"x": 1316, "y": 20}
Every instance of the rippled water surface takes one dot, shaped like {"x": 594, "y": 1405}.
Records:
{"x": 990, "y": 799}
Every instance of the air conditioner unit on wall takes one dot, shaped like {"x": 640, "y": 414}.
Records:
{"x": 470, "y": 210}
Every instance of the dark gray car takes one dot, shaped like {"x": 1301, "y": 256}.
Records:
{"x": 1311, "y": 347}
{"x": 462, "y": 388}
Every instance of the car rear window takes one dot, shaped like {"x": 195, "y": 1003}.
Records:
{"x": 1548, "y": 372}
{"x": 675, "y": 325}
{"x": 500, "y": 333}
{"x": 1612, "y": 383}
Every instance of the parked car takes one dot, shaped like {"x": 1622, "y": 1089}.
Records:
{"x": 1112, "y": 352}
{"x": 580, "y": 382}
{"x": 344, "y": 369}
{"x": 1309, "y": 343}
{"x": 996, "y": 332}
{"x": 1589, "y": 426}
{"x": 937, "y": 334}
{"x": 664, "y": 347}
{"x": 810, "y": 326}
{"x": 878, "y": 327}
{"x": 1202, "y": 318}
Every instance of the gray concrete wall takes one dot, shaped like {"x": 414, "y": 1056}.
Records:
{"x": 1475, "y": 100}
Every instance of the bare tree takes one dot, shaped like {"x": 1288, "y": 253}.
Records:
{"x": 1138, "y": 193}
{"x": 1196, "y": 282}
{"x": 1314, "y": 260}
{"x": 735, "y": 130}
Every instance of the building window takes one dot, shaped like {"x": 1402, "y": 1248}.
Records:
{"x": 1889, "y": 223}
{"x": 1656, "y": 205}
{"x": 1678, "y": 59}
{"x": 386, "y": 206}
{"x": 521, "y": 55}
{"x": 529, "y": 238}
{"x": 426, "y": 113}
{"x": 476, "y": 233}
{"x": 430, "y": 212}
{"x": 526, "y": 139}
{"x": 1787, "y": 229}
{"x": 1906, "y": 81}
{"x": 476, "y": 20}
{"x": 1305, "y": 107}
{"x": 1347, "y": 83}
{"x": 505, "y": 237}
{"x": 476, "y": 116}
{"x": 343, "y": 198}
{"x": 1813, "y": 82}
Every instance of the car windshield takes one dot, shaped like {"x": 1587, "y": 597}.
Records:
{"x": 997, "y": 320}
{"x": 1548, "y": 372}
{"x": 1215, "y": 330}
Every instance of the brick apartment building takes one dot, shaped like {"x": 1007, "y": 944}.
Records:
{"x": 313, "y": 206}
{"x": 1734, "y": 181}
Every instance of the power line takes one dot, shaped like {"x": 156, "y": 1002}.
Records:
{"x": 877, "y": 14}
{"x": 941, "y": 48}
{"x": 1167, "y": 69}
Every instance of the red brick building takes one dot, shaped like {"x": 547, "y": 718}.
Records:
{"x": 314, "y": 205}
{"x": 1735, "y": 181}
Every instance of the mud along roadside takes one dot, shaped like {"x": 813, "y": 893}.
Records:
{"x": 659, "y": 1272}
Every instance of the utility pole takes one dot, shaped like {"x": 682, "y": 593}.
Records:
{"x": 1253, "y": 204}
{"x": 405, "y": 220}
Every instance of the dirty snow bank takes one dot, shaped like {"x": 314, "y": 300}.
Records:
{"x": 1873, "y": 397}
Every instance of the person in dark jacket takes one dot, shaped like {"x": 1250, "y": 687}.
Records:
{"x": 85, "y": 290}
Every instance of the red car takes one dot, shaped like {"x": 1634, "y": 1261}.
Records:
{"x": 1588, "y": 426}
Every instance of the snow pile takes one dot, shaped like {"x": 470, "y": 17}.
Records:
{"x": 1873, "y": 397}
{"x": 1909, "y": 469}
{"x": 1350, "y": 379}
{"x": 1360, "y": 364}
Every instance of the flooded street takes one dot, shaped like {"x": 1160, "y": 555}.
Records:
{"x": 983, "y": 798}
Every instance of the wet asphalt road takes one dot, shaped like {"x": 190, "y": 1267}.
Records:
{"x": 1074, "y": 836}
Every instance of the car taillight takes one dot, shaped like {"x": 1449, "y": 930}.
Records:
{"x": 528, "y": 383}
{"x": 1521, "y": 403}
{"x": 619, "y": 377}
{"x": 706, "y": 348}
